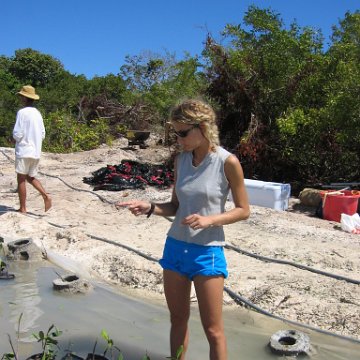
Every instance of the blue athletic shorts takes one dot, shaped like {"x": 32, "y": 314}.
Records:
{"x": 191, "y": 260}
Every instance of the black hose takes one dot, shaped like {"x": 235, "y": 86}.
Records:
{"x": 236, "y": 297}
{"x": 241, "y": 300}
{"x": 148, "y": 257}
{"x": 286, "y": 262}
{"x": 77, "y": 189}
{"x": 68, "y": 185}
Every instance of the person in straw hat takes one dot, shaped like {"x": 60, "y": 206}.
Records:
{"x": 28, "y": 133}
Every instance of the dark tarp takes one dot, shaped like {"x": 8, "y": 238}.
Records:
{"x": 130, "y": 174}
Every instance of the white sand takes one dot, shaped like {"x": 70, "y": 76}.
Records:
{"x": 69, "y": 228}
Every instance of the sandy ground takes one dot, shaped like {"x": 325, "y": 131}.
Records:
{"x": 120, "y": 249}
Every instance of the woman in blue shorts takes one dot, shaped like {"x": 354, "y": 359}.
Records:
{"x": 194, "y": 248}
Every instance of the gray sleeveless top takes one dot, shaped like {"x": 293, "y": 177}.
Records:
{"x": 200, "y": 190}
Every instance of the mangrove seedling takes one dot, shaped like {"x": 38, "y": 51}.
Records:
{"x": 110, "y": 347}
{"x": 48, "y": 342}
{"x": 13, "y": 356}
{"x": 179, "y": 351}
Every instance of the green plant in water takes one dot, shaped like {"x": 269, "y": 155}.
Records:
{"x": 12, "y": 356}
{"x": 110, "y": 346}
{"x": 48, "y": 342}
{"x": 179, "y": 351}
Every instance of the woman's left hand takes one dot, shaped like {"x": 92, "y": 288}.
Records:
{"x": 137, "y": 207}
{"x": 196, "y": 221}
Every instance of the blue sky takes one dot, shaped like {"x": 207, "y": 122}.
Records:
{"x": 92, "y": 37}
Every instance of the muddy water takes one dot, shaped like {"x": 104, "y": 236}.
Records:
{"x": 137, "y": 327}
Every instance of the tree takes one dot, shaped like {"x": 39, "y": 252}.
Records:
{"x": 159, "y": 81}
{"x": 110, "y": 86}
{"x": 184, "y": 81}
{"x": 147, "y": 69}
{"x": 264, "y": 71}
{"x": 32, "y": 67}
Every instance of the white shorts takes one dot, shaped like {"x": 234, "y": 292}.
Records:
{"x": 27, "y": 166}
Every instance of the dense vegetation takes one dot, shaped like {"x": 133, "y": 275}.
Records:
{"x": 288, "y": 108}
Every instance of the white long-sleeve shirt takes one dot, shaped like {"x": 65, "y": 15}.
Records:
{"x": 28, "y": 132}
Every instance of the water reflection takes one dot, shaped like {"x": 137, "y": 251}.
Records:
{"x": 20, "y": 307}
{"x": 26, "y": 300}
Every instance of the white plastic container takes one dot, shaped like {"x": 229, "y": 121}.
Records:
{"x": 268, "y": 194}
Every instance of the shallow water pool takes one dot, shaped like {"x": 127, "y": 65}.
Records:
{"x": 136, "y": 326}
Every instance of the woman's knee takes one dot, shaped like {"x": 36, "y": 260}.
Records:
{"x": 179, "y": 319}
{"x": 214, "y": 334}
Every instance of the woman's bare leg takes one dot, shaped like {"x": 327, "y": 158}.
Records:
{"x": 177, "y": 292}
{"x": 209, "y": 292}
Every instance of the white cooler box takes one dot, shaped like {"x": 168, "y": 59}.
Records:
{"x": 268, "y": 194}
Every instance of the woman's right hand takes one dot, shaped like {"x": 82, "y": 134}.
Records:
{"x": 137, "y": 207}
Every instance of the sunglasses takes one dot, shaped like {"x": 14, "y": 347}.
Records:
{"x": 185, "y": 133}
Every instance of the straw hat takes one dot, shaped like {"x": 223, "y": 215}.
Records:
{"x": 29, "y": 92}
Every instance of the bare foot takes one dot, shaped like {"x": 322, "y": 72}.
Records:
{"x": 21, "y": 211}
{"x": 47, "y": 202}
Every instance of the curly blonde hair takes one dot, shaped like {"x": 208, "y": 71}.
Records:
{"x": 194, "y": 111}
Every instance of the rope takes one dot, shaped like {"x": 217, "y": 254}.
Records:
{"x": 336, "y": 192}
